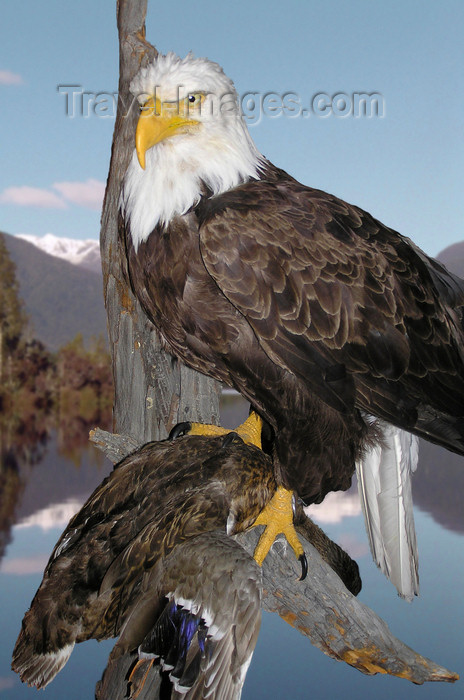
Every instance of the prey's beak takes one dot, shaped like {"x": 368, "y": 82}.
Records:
{"x": 158, "y": 121}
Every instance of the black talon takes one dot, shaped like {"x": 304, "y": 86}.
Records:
{"x": 230, "y": 438}
{"x": 304, "y": 566}
{"x": 180, "y": 429}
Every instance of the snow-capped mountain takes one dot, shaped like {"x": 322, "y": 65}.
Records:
{"x": 84, "y": 253}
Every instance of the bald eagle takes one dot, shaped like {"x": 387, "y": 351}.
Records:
{"x": 339, "y": 331}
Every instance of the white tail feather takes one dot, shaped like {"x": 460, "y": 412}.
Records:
{"x": 384, "y": 483}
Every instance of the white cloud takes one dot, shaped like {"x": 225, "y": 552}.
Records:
{"x": 335, "y": 506}
{"x": 7, "y": 77}
{"x": 25, "y": 196}
{"x": 57, "y": 515}
{"x": 85, "y": 194}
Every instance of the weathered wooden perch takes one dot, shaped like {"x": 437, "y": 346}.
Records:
{"x": 153, "y": 392}
{"x": 320, "y": 607}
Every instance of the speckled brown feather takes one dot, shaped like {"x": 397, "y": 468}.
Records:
{"x": 313, "y": 310}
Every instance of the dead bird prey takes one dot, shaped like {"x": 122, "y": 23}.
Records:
{"x": 149, "y": 558}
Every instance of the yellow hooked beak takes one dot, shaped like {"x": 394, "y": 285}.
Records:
{"x": 158, "y": 121}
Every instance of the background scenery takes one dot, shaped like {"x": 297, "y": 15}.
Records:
{"x": 404, "y": 164}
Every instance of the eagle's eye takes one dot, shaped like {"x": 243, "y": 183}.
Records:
{"x": 195, "y": 99}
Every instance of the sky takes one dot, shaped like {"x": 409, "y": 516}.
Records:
{"x": 404, "y": 163}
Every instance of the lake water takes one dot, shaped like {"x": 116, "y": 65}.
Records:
{"x": 44, "y": 486}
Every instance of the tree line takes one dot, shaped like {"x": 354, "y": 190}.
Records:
{"x": 74, "y": 380}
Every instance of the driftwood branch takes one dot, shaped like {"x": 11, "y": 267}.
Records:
{"x": 115, "y": 447}
{"x": 336, "y": 622}
{"x": 153, "y": 391}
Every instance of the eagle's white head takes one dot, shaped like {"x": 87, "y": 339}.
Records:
{"x": 190, "y": 133}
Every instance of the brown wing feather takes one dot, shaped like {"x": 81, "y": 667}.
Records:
{"x": 312, "y": 310}
{"x": 329, "y": 289}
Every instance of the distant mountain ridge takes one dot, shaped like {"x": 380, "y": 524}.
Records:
{"x": 85, "y": 253}
{"x": 61, "y": 299}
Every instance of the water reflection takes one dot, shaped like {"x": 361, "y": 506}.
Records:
{"x": 41, "y": 487}
{"x": 438, "y": 486}
{"x": 36, "y": 474}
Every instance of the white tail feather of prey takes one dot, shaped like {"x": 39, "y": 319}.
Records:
{"x": 384, "y": 483}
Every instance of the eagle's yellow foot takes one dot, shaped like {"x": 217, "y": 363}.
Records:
{"x": 278, "y": 518}
{"x": 249, "y": 431}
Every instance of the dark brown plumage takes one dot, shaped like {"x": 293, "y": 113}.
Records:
{"x": 148, "y": 554}
{"x": 315, "y": 312}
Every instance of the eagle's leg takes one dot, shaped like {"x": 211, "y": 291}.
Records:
{"x": 249, "y": 431}
{"x": 278, "y": 518}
